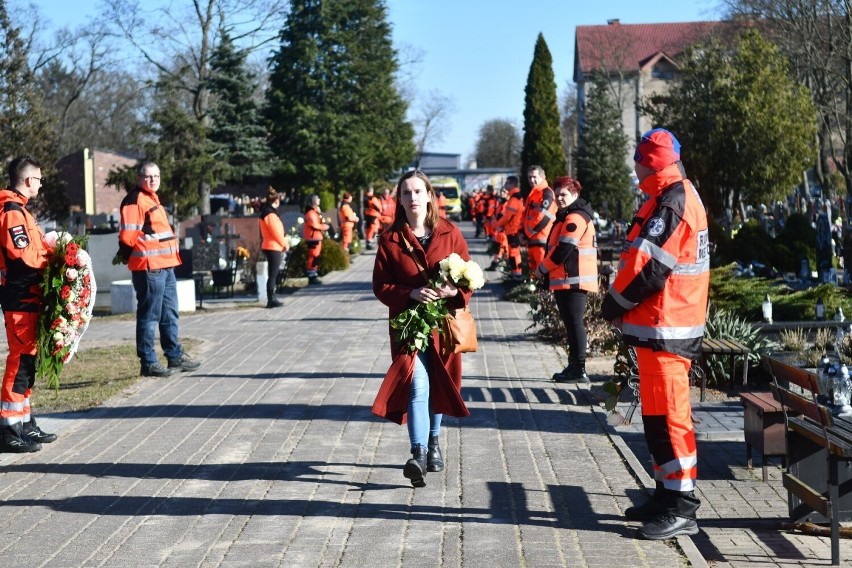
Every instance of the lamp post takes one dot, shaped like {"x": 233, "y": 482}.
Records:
{"x": 820, "y": 310}
{"x": 767, "y": 309}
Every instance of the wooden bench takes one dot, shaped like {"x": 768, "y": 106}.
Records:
{"x": 763, "y": 426}
{"x": 812, "y": 478}
{"x": 728, "y": 348}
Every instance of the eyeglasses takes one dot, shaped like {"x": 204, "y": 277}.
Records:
{"x": 150, "y": 177}
{"x": 33, "y": 177}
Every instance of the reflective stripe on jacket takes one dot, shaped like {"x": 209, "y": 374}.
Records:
{"x": 146, "y": 230}
{"x": 571, "y": 260}
{"x": 272, "y": 230}
{"x": 663, "y": 277}
{"x": 539, "y": 213}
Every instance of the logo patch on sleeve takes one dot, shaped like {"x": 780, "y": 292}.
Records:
{"x": 19, "y": 236}
{"x": 656, "y": 226}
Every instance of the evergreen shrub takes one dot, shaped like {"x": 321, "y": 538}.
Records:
{"x": 332, "y": 257}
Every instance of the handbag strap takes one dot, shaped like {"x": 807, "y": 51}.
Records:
{"x": 414, "y": 257}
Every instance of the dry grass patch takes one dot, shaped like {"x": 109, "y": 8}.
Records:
{"x": 93, "y": 376}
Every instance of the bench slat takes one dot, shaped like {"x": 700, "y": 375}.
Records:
{"x": 806, "y": 493}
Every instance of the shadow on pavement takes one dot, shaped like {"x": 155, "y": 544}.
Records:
{"x": 507, "y": 505}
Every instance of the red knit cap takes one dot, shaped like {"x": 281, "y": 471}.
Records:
{"x": 657, "y": 149}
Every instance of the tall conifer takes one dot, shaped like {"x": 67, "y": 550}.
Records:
{"x": 335, "y": 115}
{"x": 601, "y": 168}
{"x": 542, "y": 137}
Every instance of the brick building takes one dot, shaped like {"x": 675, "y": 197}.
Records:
{"x": 85, "y": 175}
{"x": 640, "y": 60}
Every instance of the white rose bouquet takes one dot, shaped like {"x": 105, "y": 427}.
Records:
{"x": 414, "y": 325}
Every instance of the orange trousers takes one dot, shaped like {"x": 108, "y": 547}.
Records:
{"x": 347, "y": 230}
{"x": 314, "y": 250}
{"x": 19, "y": 377}
{"x": 667, "y": 417}
{"x": 371, "y": 227}
{"x": 535, "y": 254}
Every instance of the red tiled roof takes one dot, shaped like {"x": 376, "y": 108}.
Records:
{"x": 627, "y": 47}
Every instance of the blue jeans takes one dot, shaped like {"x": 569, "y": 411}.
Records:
{"x": 422, "y": 422}
{"x": 156, "y": 306}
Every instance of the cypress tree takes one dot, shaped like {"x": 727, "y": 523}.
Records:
{"x": 600, "y": 156}
{"x": 237, "y": 138}
{"x": 542, "y": 137}
{"x": 335, "y": 115}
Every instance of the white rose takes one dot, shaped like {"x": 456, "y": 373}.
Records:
{"x": 58, "y": 337}
{"x": 473, "y": 274}
{"x": 300, "y": 220}
{"x": 71, "y": 274}
{"x": 455, "y": 266}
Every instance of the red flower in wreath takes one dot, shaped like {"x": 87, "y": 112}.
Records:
{"x": 65, "y": 293}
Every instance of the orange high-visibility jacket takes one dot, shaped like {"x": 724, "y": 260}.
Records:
{"x": 571, "y": 261}
{"x": 314, "y": 227}
{"x": 345, "y": 215}
{"x": 372, "y": 207}
{"x": 146, "y": 230}
{"x": 441, "y": 200}
{"x": 663, "y": 277}
{"x": 513, "y": 213}
{"x": 24, "y": 255}
{"x": 539, "y": 212}
{"x": 388, "y": 209}
{"x": 272, "y": 230}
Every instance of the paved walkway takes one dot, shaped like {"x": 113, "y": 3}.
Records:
{"x": 269, "y": 456}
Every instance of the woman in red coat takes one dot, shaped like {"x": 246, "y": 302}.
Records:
{"x": 420, "y": 387}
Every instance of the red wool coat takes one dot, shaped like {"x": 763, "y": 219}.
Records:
{"x": 395, "y": 275}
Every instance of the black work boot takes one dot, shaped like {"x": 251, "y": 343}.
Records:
{"x": 434, "y": 459}
{"x": 677, "y": 518}
{"x": 415, "y": 468}
{"x": 313, "y": 280}
{"x": 650, "y": 508}
{"x": 36, "y": 434}
{"x": 13, "y": 440}
{"x": 493, "y": 267}
{"x": 273, "y": 303}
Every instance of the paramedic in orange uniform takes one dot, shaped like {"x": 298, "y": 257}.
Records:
{"x": 539, "y": 212}
{"x": 313, "y": 234}
{"x": 372, "y": 216}
{"x": 512, "y": 223}
{"x": 347, "y": 219}
{"x": 571, "y": 265}
{"x": 25, "y": 253}
{"x": 274, "y": 243}
{"x": 147, "y": 241}
{"x": 659, "y": 299}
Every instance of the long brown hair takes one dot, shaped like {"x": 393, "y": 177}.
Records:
{"x": 432, "y": 216}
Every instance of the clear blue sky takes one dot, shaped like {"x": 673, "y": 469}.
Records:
{"x": 478, "y": 51}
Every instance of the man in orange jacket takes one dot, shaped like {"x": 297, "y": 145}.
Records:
{"x": 149, "y": 244}
{"x": 312, "y": 232}
{"x": 372, "y": 216}
{"x": 24, "y": 259}
{"x": 346, "y": 219}
{"x": 659, "y": 299}
{"x": 539, "y": 212}
{"x": 512, "y": 223}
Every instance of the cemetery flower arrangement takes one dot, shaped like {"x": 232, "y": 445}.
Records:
{"x": 69, "y": 288}
{"x": 414, "y": 325}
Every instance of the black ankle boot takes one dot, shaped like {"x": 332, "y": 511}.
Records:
{"x": 415, "y": 468}
{"x": 579, "y": 373}
{"x": 434, "y": 459}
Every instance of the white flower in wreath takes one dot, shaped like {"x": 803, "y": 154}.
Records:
{"x": 72, "y": 274}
